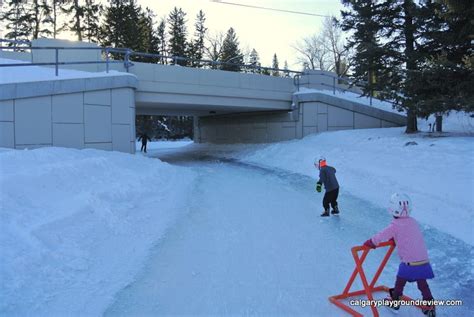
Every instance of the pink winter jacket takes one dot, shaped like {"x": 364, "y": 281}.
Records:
{"x": 408, "y": 238}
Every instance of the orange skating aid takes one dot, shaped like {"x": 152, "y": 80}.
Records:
{"x": 369, "y": 288}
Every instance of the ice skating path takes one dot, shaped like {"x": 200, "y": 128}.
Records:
{"x": 253, "y": 243}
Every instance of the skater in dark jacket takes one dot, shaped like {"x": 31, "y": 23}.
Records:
{"x": 144, "y": 137}
{"x": 327, "y": 176}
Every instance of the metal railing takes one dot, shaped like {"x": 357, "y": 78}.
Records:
{"x": 110, "y": 53}
{"x": 336, "y": 85}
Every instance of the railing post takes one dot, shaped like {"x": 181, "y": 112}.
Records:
{"x": 334, "y": 85}
{"x": 57, "y": 60}
{"x": 127, "y": 57}
{"x": 106, "y": 59}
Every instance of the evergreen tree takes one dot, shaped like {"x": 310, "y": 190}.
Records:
{"x": 133, "y": 37}
{"x": 112, "y": 29}
{"x": 75, "y": 10}
{"x": 178, "y": 33}
{"x": 161, "y": 39}
{"x": 40, "y": 18}
{"x": 121, "y": 27}
{"x": 149, "y": 38}
{"x": 196, "y": 47}
{"x": 92, "y": 12}
{"x": 55, "y": 12}
{"x": 231, "y": 55}
{"x": 19, "y": 21}
{"x": 388, "y": 63}
{"x": 445, "y": 81}
{"x": 254, "y": 61}
{"x": 275, "y": 65}
{"x": 285, "y": 67}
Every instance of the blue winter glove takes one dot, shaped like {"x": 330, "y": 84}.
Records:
{"x": 319, "y": 187}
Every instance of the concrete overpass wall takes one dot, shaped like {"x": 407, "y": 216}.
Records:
{"x": 79, "y": 113}
{"x": 315, "y": 112}
{"x": 173, "y": 89}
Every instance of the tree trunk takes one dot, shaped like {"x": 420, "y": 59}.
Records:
{"x": 439, "y": 123}
{"x": 412, "y": 125}
{"x": 408, "y": 6}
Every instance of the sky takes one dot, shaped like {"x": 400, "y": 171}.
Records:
{"x": 267, "y": 31}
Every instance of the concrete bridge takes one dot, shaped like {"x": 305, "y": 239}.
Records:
{"x": 228, "y": 107}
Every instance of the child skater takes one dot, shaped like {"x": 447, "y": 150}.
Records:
{"x": 327, "y": 176}
{"x": 411, "y": 248}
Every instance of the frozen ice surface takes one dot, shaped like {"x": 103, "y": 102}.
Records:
{"x": 254, "y": 244}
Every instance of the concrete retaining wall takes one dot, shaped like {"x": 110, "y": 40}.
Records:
{"x": 315, "y": 112}
{"x": 68, "y": 117}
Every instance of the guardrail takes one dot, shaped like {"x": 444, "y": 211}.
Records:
{"x": 127, "y": 58}
{"x": 335, "y": 87}
{"x": 110, "y": 53}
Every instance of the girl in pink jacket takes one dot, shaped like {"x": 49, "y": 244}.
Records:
{"x": 411, "y": 248}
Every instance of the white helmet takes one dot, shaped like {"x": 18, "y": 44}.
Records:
{"x": 400, "y": 205}
{"x": 317, "y": 161}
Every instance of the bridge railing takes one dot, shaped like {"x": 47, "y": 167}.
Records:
{"x": 110, "y": 56}
{"x": 336, "y": 85}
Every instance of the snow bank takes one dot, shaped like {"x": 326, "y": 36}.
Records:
{"x": 437, "y": 172}
{"x": 77, "y": 226}
{"x": 17, "y": 74}
{"x": 352, "y": 96}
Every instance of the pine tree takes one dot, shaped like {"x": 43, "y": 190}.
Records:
{"x": 275, "y": 65}
{"x": 445, "y": 81}
{"x": 121, "y": 27}
{"x": 177, "y": 42}
{"x": 285, "y": 67}
{"x": 231, "y": 55}
{"x": 149, "y": 39}
{"x": 161, "y": 39}
{"x": 92, "y": 12}
{"x": 55, "y": 12}
{"x": 368, "y": 62}
{"x": 196, "y": 47}
{"x": 19, "y": 21}
{"x": 75, "y": 10}
{"x": 40, "y": 17}
{"x": 388, "y": 63}
{"x": 254, "y": 61}
{"x": 112, "y": 29}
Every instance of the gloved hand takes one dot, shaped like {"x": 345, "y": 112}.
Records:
{"x": 319, "y": 187}
{"x": 370, "y": 244}
{"x": 393, "y": 241}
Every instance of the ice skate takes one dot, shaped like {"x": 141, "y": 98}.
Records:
{"x": 325, "y": 213}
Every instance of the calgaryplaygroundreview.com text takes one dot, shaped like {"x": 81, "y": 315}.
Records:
{"x": 419, "y": 302}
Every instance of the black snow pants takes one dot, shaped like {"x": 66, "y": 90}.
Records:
{"x": 330, "y": 198}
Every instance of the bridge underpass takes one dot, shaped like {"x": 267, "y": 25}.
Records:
{"x": 228, "y": 107}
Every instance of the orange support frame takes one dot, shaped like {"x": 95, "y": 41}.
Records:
{"x": 369, "y": 288}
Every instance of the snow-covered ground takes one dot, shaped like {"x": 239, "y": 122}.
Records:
{"x": 77, "y": 225}
{"x": 254, "y": 244}
{"x": 41, "y": 73}
{"x": 86, "y": 232}
{"x": 436, "y": 171}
